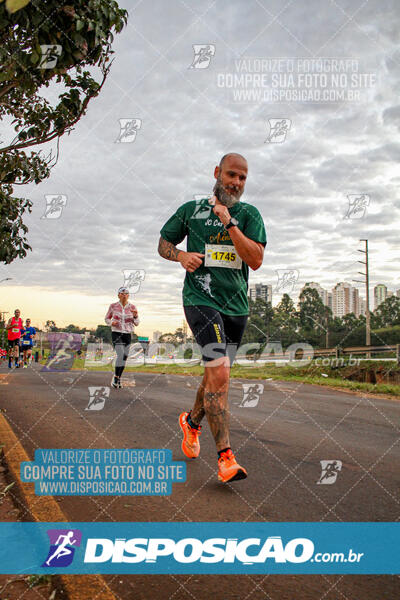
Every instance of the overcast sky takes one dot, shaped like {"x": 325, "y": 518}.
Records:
{"x": 120, "y": 194}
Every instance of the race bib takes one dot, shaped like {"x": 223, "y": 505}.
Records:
{"x": 15, "y": 329}
{"x": 218, "y": 255}
{"x": 26, "y": 343}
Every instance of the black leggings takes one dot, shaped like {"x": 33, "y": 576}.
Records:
{"x": 121, "y": 343}
{"x": 216, "y": 333}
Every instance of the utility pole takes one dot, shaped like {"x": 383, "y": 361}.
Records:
{"x": 327, "y": 325}
{"x": 366, "y": 281}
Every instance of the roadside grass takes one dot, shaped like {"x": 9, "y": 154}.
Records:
{"x": 309, "y": 373}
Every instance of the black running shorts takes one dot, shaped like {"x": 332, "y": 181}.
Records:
{"x": 118, "y": 338}
{"x": 216, "y": 333}
{"x": 13, "y": 343}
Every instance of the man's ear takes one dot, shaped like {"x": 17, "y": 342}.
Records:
{"x": 216, "y": 172}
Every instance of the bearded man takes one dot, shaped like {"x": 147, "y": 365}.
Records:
{"x": 224, "y": 238}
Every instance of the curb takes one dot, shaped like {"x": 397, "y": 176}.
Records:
{"x": 46, "y": 509}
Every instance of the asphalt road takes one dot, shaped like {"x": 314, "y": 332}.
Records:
{"x": 280, "y": 440}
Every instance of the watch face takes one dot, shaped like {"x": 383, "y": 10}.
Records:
{"x": 234, "y": 221}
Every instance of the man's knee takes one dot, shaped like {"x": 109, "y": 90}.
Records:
{"x": 217, "y": 373}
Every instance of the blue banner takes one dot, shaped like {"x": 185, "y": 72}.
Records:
{"x": 214, "y": 548}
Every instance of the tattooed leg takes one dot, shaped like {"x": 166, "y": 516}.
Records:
{"x": 216, "y": 403}
{"x": 198, "y": 411}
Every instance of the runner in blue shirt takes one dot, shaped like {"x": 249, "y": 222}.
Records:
{"x": 27, "y": 341}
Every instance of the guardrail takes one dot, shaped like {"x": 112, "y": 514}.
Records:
{"x": 337, "y": 352}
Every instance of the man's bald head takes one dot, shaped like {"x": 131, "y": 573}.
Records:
{"x": 232, "y": 155}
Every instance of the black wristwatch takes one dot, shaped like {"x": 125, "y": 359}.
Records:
{"x": 232, "y": 223}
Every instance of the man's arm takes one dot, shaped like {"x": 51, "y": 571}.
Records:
{"x": 168, "y": 250}
{"x": 190, "y": 261}
{"x": 250, "y": 251}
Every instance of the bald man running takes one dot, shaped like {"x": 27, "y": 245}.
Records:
{"x": 224, "y": 238}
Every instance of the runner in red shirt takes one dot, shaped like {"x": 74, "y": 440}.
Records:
{"x": 14, "y": 328}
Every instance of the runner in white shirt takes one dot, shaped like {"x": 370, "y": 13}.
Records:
{"x": 123, "y": 317}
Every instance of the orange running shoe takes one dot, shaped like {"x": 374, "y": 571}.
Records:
{"x": 190, "y": 443}
{"x": 229, "y": 470}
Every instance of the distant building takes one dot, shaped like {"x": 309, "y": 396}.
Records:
{"x": 156, "y": 336}
{"x": 398, "y": 293}
{"x": 324, "y": 295}
{"x": 345, "y": 300}
{"x": 380, "y": 294}
{"x": 260, "y": 290}
{"x": 329, "y": 303}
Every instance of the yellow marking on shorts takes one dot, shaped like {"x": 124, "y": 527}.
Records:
{"x": 217, "y": 332}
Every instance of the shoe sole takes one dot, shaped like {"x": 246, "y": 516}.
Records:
{"x": 240, "y": 474}
{"x": 183, "y": 442}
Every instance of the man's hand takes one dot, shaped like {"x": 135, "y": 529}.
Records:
{"x": 135, "y": 314}
{"x": 222, "y": 213}
{"x": 190, "y": 260}
{"x": 114, "y": 323}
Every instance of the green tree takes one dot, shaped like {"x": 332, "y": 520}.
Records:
{"x": 43, "y": 44}
{"x": 50, "y": 326}
{"x": 387, "y": 314}
{"x": 313, "y": 316}
{"x": 286, "y": 321}
{"x": 258, "y": 328}
{"x": 167, "y": 338}
{"x": 104, "y": 333}
{"x": 74, "y": 329}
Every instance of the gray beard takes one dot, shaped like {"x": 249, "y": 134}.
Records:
{"x": 226, "y": 199}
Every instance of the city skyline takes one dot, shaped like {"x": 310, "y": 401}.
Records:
{"x": 149, "y": 331}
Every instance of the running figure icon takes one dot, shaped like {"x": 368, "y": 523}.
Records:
{"x": 62, "y": 549}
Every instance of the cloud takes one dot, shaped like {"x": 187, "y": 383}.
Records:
{"x": 119, "y": 195}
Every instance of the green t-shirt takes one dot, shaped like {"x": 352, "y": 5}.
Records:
{"x": 221, "y": 287}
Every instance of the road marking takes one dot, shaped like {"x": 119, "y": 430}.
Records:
{"x": 3, "y": 378}
{"x": 45, "y": 509}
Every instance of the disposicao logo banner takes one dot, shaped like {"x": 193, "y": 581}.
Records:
{"x": 215, "y": 548}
